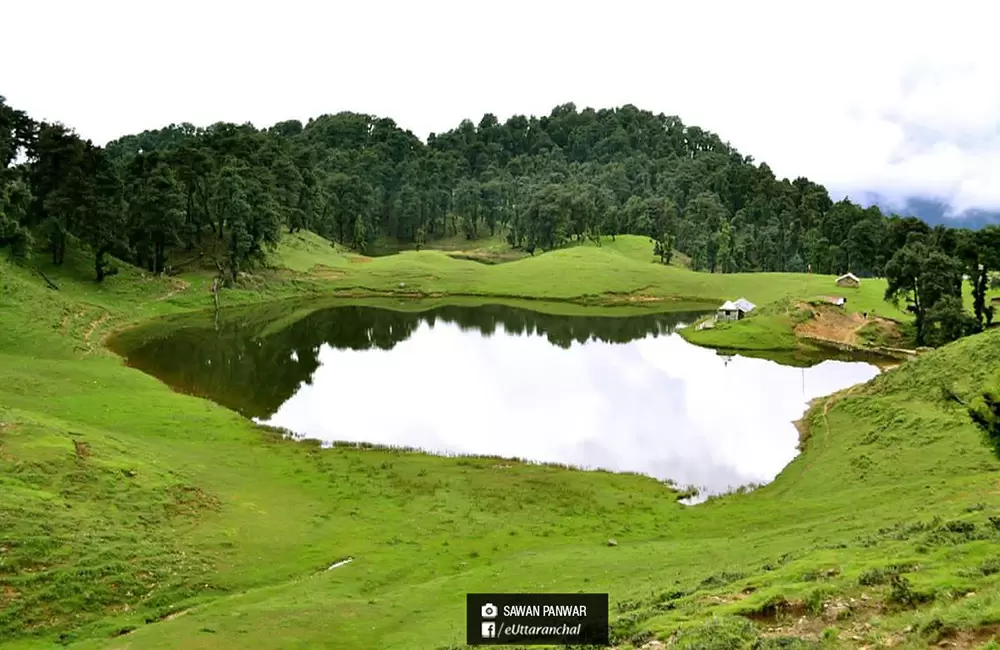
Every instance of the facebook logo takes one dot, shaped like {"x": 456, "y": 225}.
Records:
{"x": 489, "y": 629}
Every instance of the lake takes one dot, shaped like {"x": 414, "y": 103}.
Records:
{"x": 615, "y": 393}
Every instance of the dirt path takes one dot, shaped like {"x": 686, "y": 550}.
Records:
{"x": 179, "y": 286}
{"x": 831, "y": 401}
{"x": 94, "y": 324}
{"x": 812, "y": 443}
{"x": 323, "y": 272}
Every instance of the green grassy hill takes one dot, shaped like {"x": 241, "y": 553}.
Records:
{"x": 135, "y": 517}
{"x": 619, "y": 271}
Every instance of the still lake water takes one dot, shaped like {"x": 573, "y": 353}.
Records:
{"x": 617, "y": 393}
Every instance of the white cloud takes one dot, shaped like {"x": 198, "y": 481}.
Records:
{"x": 897, "y": 97}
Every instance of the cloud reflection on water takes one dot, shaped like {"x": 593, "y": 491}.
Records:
{"x": 658, "y": 405}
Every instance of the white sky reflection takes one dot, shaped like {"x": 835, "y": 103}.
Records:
{"x": 659, "y": 406}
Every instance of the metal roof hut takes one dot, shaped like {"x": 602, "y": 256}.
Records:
{"x": 848, "y": 280}
{"x": 734, "y": 310}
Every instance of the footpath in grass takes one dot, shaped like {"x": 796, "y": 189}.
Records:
{"x": 135, "y": 517}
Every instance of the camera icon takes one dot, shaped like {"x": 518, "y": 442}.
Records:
{"x": 489, "y": 610}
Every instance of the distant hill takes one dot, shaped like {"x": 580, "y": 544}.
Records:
{"x": 933, "y": 211}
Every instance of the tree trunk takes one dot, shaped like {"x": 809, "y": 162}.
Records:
{"x": 189, "y": 216}
{"x": 58, "y": 247}
{"x": 159, "y": 261}
{"x": 220, "y": 226}
{"x": 47, "y": 280}
{"x": 979, "y": 286}
{"x": 99, "y": 265}
{"x": 918, "y": 315}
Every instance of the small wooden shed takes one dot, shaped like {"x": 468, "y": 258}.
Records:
{"x": 848, "y": 280}
{"x": 734, "y": 310}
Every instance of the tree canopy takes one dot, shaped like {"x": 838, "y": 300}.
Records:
{"x": 538, "y": 182}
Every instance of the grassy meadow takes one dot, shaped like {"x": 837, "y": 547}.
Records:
{"x": 617, "y": 272}
{"x": 135, "y": 517}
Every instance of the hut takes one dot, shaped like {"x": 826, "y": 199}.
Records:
{"x": 734, "y": 310}
{"x": 848, "y": 280}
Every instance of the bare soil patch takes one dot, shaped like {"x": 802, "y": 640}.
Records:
{"x": 361, "y": 259}
{"x": 633, "y": 296}
{"x": 726, "y": 599}
{"x": 8, "y": 595}
{"x": 177, "y": 285}
{"x": 82, "y": 449}
{"x": 775, "y": 614}
{"x": 836, "y": 325}
{"x": 5, "y": 427}
{"x": 832, "y": 324}
{"x": 324, "y": 272}
{"x": 94, "y": 325}
{"x": 975, "y": 638}
{"x": 171, "y": 617}
{"x": 794, "y": 620}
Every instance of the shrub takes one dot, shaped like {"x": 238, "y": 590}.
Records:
{"x": 814, "y": 601}
{"x": 935, "y": 630}
{"x": 883, "y": 575}
{"x": 730, "y": 633}
{"x": 721, "y": 579}
{"x": 985, "y": 412}
{"x": 990, "y": 566}
{"x": 960, "y": 527}
{"x": 780, "y": 643}
{"x": 902, "y": 593}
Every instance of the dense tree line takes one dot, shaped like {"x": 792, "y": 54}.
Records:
{"x": 17, "y": 132}
{"x": 161, "y": 196}
{"x": 928, "y": 271}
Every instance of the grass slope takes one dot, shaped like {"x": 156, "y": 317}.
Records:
{"x": 771, "y": 327}
{"x": 619, "y": 271}
{"x": 135, "y": 517}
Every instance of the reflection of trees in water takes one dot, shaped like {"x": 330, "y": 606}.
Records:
{"x": 254, "y": 373}
{"x": 559, "y": 330}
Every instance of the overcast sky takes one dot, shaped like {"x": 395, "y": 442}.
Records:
{"x": 897, "y": 97}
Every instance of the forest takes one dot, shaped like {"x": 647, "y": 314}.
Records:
{"x": 160, "y": 198}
